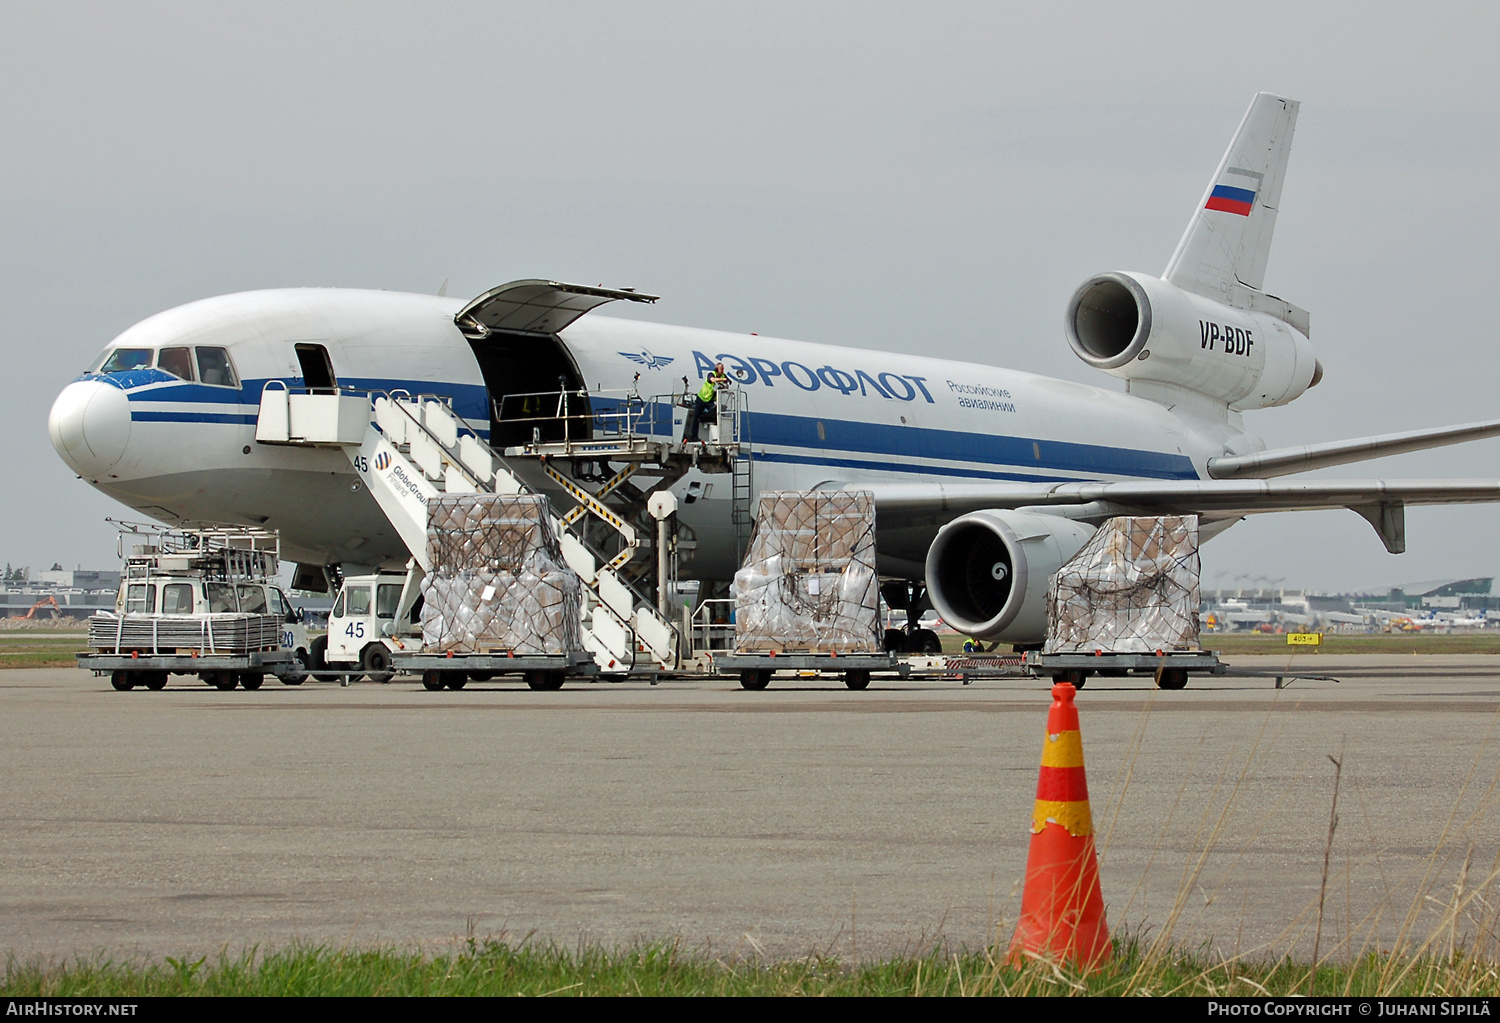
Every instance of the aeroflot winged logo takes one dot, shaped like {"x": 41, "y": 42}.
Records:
{"x": 648, "y": 360}
{"x": 1228, "y": 199}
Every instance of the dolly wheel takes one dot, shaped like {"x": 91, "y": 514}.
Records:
{"x": 754, "y": 678}
{"x": 432, "y": 680}
{"x": 1171, "y": 678}
{"x": 122, "y": 680}
{"x": 859, "y": 679}
{"x": 455, "y": 679}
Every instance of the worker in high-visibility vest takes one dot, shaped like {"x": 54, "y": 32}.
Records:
{"x": 704, "y": 402}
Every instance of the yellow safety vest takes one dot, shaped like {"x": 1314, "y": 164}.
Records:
{"x": 714, "y": 381}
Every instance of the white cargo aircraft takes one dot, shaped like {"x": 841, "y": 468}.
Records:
{"x": 986, "y": 480}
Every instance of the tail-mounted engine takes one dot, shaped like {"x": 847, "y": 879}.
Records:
{"x": 1140, "y": 327}
{"x": 987, "y": 572}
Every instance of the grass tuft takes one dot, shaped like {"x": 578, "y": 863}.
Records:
{"x": 497, "y": 967}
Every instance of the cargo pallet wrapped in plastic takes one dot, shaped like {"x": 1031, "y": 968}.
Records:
{"x": 498, "y": 582}
{"x": 808, "y": 581}
{"x": 1133, "y": 588}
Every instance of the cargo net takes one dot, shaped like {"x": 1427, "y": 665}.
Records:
{"x": 498, "y": 582}
{"x": 1132, "y": 589}
{"x": 808, "y": 582}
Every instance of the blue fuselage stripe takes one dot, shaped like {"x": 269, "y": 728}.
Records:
{"x": 929, "y": 445}
{"x": 922, "y": 449}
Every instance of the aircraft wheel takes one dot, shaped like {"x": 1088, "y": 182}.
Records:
{"x": 455, "y": 679}
{"x": 925, "y": 641}
{"x": 1171, "y": 678}
{"x": 859, "y": 679}
{"x": 251, "y": 679}
{"x": 155, "y": 680}
{"x": 432, "y": 680}
{"x": 225, "y": 680}
{"x": 895, "y": 641}
{"x": 375, "y": 662}
{"x": 317, "y": 659}
{"x": 122, "y": 680}
{"x": 754, "y": 678}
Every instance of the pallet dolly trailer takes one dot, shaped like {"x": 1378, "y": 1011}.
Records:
{"x": 1169, "y": 668}
{"x": 223, "y": 671}
{"x": 453, "y": 671}
{"x": 755, "y": 670}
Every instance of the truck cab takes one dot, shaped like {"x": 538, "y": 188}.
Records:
{"x": 362, "y": 628}
{"x": 183, "y": 592}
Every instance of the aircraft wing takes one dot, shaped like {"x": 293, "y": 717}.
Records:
{"x": 1380, "y": 502}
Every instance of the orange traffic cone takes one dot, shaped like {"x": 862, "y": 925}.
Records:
{"x": 1062, "y": 905}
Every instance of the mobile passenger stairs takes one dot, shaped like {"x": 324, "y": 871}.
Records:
{"x": 605, "y": 460}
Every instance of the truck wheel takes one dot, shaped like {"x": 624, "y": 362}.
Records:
{"x": 432, "y": 680}
{"x": 1171, "y": 678}
{"x": 155, "y": 680}
{"x": 122, "y": 680}
{"x": 225, "y": 680}
{"x": 251, "y": 679}
{"x": 375, "y": 662}
{"x": 298, "y": 674}
{"x": 455, "y": 679}
{"x": 318, "y": 660}
{"x": 859, "y": 679}
{"x": 754, "y": 678}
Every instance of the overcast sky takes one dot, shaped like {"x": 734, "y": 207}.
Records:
{"x": 931, "y": 177}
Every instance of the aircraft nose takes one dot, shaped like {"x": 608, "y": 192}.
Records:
{"x": 90, "y": 426}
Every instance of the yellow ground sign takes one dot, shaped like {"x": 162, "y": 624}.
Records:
{"x": 1304, "y": 639}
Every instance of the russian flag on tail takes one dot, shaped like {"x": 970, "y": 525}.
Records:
{"x": 1228, "y": 199}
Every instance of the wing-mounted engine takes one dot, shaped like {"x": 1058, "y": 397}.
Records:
{"x": 1142, "y": 328}
{"x": 987, "y": 571}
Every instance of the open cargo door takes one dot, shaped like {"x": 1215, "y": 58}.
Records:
{"x": 513, "y": 330}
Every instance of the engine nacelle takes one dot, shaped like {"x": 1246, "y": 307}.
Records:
{"x": 987, "y": 571}
{"x": 1140, "y": 327}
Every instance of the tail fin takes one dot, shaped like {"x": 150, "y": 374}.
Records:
{"x": 1229, "y": 238}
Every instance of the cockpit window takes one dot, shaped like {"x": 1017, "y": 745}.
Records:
{"x": 176, "y": 361}
{"x": 123, "y": 360}
{"x": 214, "y": 367}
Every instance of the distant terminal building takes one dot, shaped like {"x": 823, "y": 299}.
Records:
{"x": 1439, "y": 604}
{"x": 1476, "y": 594}
{"x": 58, "y": 593}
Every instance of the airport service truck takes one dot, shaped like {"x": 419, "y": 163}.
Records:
{"x": 363, "y": 633}
{"x": 198, "y": 602}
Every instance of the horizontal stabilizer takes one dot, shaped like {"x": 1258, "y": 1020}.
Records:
{"x": 1282, "y": 461}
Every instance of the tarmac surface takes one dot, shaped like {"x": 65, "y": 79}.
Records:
{"x": 805, "y": 818}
